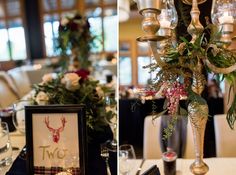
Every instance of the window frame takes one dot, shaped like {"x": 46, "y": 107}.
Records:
{"x": 6, "y": 19}
{"x": 134, "y": 53}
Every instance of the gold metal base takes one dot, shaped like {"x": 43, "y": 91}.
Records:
{"x": 198, "y": 115}
{"x": 157, "y": 11}
{"x": 189, "y": 2}
{"x": 151, "y": 38}
{"x": 199, "y": 169}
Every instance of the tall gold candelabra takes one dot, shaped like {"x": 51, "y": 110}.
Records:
{"x": 197, "y": 113}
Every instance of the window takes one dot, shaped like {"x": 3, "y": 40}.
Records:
{"x": 110, "y": 30}
{"x": 101, "y": 16}
{"x": 134, "y": 56}
{"x": 143, "y": 60}
{"x": 50, "y": 26}
{"x": 125, "y": 74}
{"x": 11, "y": 25}
{"x": 125, "y": 64}
{"x": 143, "y": 74}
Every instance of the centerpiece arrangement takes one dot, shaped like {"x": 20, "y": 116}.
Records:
{"x": 76, "y": 40}
{"x": 74, "y": 84}
{"x": 76, "y": 88}
{"x": 181, "y": 67}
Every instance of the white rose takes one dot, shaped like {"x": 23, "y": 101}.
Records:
{"x": 64, "y": 21}
{"x": 47, "y": 78}
{"x": 71, "y": 81}
{"x": 99, "y": 91}
{"x": 42, "y": 98}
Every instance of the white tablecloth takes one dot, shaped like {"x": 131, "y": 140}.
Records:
{"x": 217, "y": 166}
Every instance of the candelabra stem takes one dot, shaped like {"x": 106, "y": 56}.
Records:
{"x": 195, "y": 27}
{"x": 198, "y": 115}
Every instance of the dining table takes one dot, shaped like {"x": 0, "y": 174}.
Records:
{"x": 217, "y": 166}
{"x": 18, "y": 166}
{"x": 96, "y": 164}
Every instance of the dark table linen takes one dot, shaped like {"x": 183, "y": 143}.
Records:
{"x": 131, "y": 122}
{"x": 96, "y": 165}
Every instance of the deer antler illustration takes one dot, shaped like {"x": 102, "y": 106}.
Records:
{"x": 55, "y": 132}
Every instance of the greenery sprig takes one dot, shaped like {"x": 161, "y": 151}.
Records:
{"x": 182, "y": 61}
{"x": 77, "y": 88}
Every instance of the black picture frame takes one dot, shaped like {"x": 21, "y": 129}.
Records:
{"x": 57, "y": 109}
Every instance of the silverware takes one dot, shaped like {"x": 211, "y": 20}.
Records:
{"x": 23, "y": 153}
{"x": 14, "y": 148}
{"x": 140, "y": 167}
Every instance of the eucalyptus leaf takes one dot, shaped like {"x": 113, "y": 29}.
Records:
{"x": 159, "y": 114}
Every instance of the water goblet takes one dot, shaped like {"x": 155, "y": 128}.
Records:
{"x": 19, "y": 116}
{"x": 126, "y": 159}
{"x": 112, "y": 121}
{"x": 5, "y": 146}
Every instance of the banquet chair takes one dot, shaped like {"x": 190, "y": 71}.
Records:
{"x": 189, "y": 148}
{"x": 8, "y": 94}
{"x": 21, "y": 81}
{"x": 151, "y": 139}
{"x": 34, "y": 74}
{"x": 225, "y": 137}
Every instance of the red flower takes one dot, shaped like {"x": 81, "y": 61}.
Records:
{"x": 73, "y": 26}
{"x": 83, "y": 73}
{"x": 150, "y": 93}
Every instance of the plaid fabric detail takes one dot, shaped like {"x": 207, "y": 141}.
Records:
{"x": 54, "y": 170}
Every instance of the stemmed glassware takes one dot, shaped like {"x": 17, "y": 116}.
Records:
{"x": 19, "y": 116}
{"x": 126, "y": 159}
{"x": 105, "y": 155}
{"x": 5, "y": 146}
{"x": 112, "y": 120}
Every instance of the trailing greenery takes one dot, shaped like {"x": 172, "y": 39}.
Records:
{"x": 75, "y": 38}
{"x": 186, "y": 60}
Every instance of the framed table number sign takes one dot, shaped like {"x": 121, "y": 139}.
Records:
{"x": 56, "y": 139}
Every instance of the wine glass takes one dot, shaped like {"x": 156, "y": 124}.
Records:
{"x": 126, "y": 159}
{"x": 19, "y": 116}
{"x": 111, "y": 120}
{"x": 105, "y": 155}
{"x": 71, "y": 164}
{"x": 5, "y": 146}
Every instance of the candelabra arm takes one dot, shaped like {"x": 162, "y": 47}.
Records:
{"x": 153, "y": 46}
{"x": 219, "y": 70}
